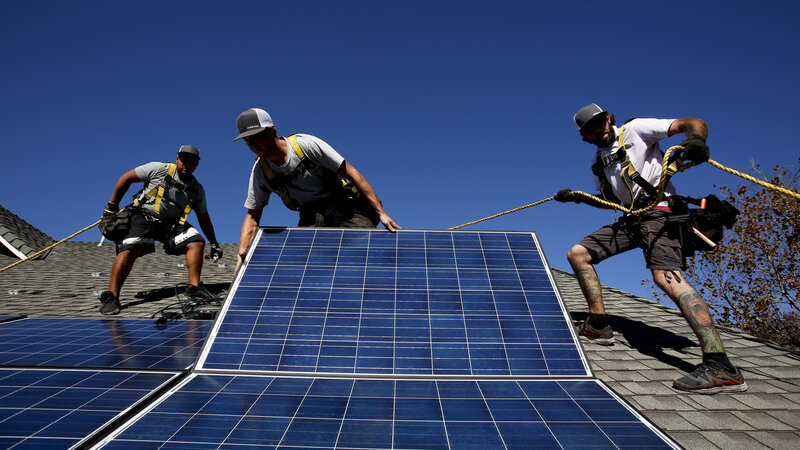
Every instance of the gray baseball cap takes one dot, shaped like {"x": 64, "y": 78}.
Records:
{"x": 586, "y": 114}
{"x": 189, "y": 150}
{"x": 253, "y": 121}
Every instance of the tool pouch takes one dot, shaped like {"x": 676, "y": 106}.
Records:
{"x": 116, "y": 226}
{"x": 710, "y": 222}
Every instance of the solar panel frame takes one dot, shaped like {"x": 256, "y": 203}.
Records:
{"x": 299, "y": 412}
{"x": 299, "y": 296}
{"x": 9, "y": 318}
{"x": 101, "y": 343}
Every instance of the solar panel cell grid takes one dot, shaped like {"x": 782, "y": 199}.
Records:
{"x": 346, "y": 413}
{"x": 412, "y": 302}
{"x": 138, "y": 344}
{"x": 60, "y": 408}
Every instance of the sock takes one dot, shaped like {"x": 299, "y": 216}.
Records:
{"x": 719, "y": 358}
{"x": 597, "y": 321}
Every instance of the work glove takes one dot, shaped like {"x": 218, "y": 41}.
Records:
{"x": 215, "y": 253}
{"x": 111, "y": 209}
{"x": 566, "y": 195}
{"x": 695, "y": 149}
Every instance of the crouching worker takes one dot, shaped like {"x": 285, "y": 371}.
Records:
{"x": 307, "y": 174}
{"x": 159, "y": 212}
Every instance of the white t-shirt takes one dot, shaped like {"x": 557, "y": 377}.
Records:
{"x": 641, "y": 141}
{"x": 304, "y": 189}
{"x": 176, "y": 195}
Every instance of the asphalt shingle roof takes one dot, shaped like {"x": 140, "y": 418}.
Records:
{"x": 654, "y": 343}
{"x": 19, "y": 237}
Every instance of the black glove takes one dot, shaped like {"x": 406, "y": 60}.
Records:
{"x": 215, "y": 253}
{"x": 111, "y": 208}
{"x": 695, "y": 149}
{"x": 566, "y": 195}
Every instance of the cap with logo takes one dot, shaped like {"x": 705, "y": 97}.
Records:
{"x": 189, "y": 150}
{"x": 586, "y": 114}
{"x": 253, "y": 121}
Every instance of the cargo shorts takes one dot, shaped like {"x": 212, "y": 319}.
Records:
{"x": 145, "y": 230}
{"x": 651, "y": 232}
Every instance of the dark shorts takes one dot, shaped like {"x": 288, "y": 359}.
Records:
{"x": 146, "y": 230}
{"x": 658, "y": 240}
{"x": 345, "y": 212}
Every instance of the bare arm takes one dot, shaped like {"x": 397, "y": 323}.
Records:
{"x": 208, "y": 228}
{"x": 348, "y": 171}
{"x": 249, "y": 228}
{"x": 689, "y": 126}
{"x": 123, "y": 184}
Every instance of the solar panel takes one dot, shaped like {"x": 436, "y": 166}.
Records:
{"x": 406, "y": 303}
{"x": 303, "y": 412}
{"x": 331, "y": 338}
{"x": 60, "y": 408}
{"x": 103, "y": 343}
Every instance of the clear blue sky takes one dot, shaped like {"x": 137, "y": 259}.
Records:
{"x": 453, "y": 110}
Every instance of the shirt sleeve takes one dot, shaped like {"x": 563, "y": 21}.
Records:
{"x": 258, "y": 190}
{"x": 200, "y": 205}
{"x": 320, "y": 151}
{"x": 147, "y": 172}
{"x": 650, "y": 130}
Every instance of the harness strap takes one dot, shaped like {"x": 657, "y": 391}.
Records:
{"x": 278, "y": 183}
{"x": 159, "y": 190}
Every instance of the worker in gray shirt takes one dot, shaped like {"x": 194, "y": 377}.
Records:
{"x": 159, "y": 212}
{"x": 309, "y": 176}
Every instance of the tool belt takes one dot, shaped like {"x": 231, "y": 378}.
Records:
{"x": 340, "y": 207}
{"x": 117, "y": 225}
{"x": 702, "y": 229}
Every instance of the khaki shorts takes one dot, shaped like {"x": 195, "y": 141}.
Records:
{"x": 651, "y": 232}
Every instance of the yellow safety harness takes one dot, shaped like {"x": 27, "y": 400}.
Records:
{"x": 629, "y": 174}
{"x": 159, "y": 190}
{"x": 279, "y": 183}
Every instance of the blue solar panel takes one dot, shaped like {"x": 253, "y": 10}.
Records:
{"x": 59, "y": 408}
{"x": 411, "y": 302}
{"x": 270, "y": 412}
{"x": 107, "y": 343}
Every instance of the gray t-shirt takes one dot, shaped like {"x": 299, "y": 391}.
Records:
{"x": 176, "y": 195}
{"x": 304, "y": 189}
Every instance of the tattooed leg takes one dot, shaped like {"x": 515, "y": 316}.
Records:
{"x": 580, "y": 259}
{"x": 590, "y": 286}
{"x": 695, "y": 311}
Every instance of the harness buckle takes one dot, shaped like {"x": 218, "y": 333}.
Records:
{"x": 609, "y": 159}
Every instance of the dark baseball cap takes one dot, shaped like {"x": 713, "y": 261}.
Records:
{"x": 253, "y": 121}
{"x": 586, "y": 114}
{"x": 189, "y": 150}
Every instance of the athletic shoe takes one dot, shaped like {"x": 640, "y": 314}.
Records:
{"x": 200, "y": 293}
{"x": 711, "y": 378}
{"x": 109, "y": 304}
{"x": 593, "y": 335}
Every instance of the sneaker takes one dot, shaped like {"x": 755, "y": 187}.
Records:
{"x": 593, "y": 335}
{"x": 200, "y": 293}
{"x": 109, "y": 304}
{"x": 711, "y": 378}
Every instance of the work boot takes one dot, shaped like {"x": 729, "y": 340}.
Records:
{"x": 593, "y": 335}
{"x": 200, "y": 293}
{"x": 711, "y": 378}
{"x": 109, "y": 304}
